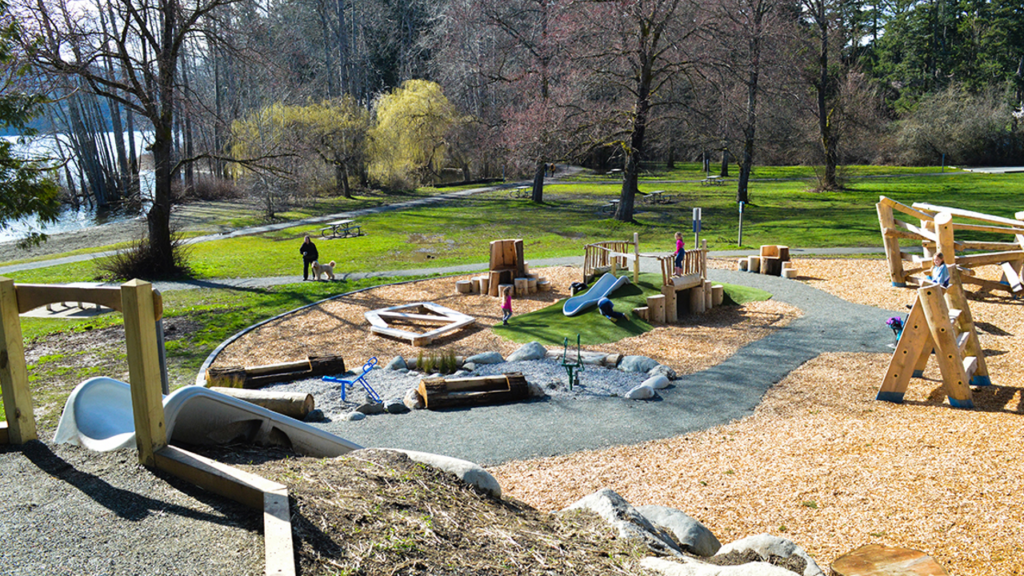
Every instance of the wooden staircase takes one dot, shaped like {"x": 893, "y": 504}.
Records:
{"x": 940, "y": 322}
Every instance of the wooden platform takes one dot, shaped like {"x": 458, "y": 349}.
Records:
{"x": 419, "y": 313}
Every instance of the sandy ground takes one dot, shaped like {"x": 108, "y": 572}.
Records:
{"x": 825, "y": 464}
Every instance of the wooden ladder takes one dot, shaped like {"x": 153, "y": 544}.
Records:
{"x": 940, "y": 321}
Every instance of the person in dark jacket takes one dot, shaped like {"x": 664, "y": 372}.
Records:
{"x": 309, "y": 255}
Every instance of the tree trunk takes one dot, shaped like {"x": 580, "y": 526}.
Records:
{"x": 750, "y": 127}
{"x": 671, "y": 161}
{"x": 829, "y": 140}
{"x": 341, "y": 175}
{"x": 538, "y": 182}
{"x": 725, "y": 163}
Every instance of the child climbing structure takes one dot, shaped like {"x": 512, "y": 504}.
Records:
{"x": 940, "y": 320}
{"x": 936, "y": 234}
{"x": 691, "y": 290}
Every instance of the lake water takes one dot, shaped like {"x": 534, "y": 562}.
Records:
{"x": 70, "y": 218}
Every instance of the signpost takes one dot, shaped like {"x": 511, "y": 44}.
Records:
{"x": 696, "y": 227}
{"x": 739, "y": 242}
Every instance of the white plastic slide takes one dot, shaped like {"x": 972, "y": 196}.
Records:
{"x": 98, "y": 415}
{"x": 604, "y": 287}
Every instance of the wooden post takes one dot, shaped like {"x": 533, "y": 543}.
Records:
{"x": 522, "y": 286}
{"x": 947, "y": 353}
{"x": 704, "y": 259}
{"x": 944, "y": 230}
{"x": 892, "y": 245}
{"x": 697, "y": 299}
{"x": 717, "y": 295}
{"x": 656, "y": 309}
{"x": 671, "y": 303}
{"x": 17, "y": 398}
{"x": 754, "y": 264}
{"x": 636, "y": 257}
{"x": 139, "y": 303}
{"x": 707, "y": 295}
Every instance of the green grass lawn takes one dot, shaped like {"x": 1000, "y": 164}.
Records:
{"x": 551, "y": 327}
{"x": 458, "y": 232}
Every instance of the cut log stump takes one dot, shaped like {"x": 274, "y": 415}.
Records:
{"x": 294, "y": 404}
{"x": 253, "y": 377}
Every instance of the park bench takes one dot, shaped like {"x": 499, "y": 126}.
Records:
{"x": 341, "y": 229}
{"x": 656, "y": 197}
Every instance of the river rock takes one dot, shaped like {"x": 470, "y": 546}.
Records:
{"x": 469, "y": 472}
{"x": 397, "y": 363}
{"x": 766, "y": 546}
{"x": 630, "y": 523}
{"x": 641, "y": 364}
{"x": 486, "y": 358}
{"x": 413, "y": 400}
{"x": 662, "y": 370}
{"x": 395, "y": 406}
{"x": 469, "y": 366}
{"x": 691, "y": 535}
{"x": 531, "y": 351}
{"x": 352, "y": 416}
{"x": 641, "y": 392}
{"x": 371, "y": 408}
{"x": 659, "y": 382}
{"x": 316, "y": 415}
{"x": 691, "y": 567}
{"x": 536, "y": 391}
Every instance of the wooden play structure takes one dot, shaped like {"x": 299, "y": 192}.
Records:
{"x": 939, "y": 321}
{"x": 507, "y": 268}
{"x": 255, "y": 377}
{"x": 142, "y": 306}
{"x": 439, "y": 393}
{"x": 690, "y": 291}
{"x": 772, "y": 260}
{"x": 936, "y": 232}
{"x": 384, "y": 321}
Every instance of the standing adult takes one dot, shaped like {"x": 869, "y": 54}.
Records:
{"x": 309, "y": 255}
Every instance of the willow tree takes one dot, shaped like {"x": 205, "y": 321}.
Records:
{"x": 408, "y": 142}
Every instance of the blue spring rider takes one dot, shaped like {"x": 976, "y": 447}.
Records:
{"x": 360, "y": 380}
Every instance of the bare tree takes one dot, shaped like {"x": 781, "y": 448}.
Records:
{"x": 636, "y": 50}
{"x": 144, "y": 40}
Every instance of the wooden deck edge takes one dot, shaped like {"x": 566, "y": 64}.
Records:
{"x": 245, "y": 488}
{"x": 4, "y": 438}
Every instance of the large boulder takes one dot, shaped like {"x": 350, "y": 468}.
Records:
{"x": 641, "y": 364}
{"x": 413, "y": 400}
{"x": 486, "y": 358}
{"x": 766, "y": 546}
{"x": 691, "y": 535}
{"x": 630, "y": 523}
{"x": 531, "y": 351}
{"x": 395, "y": 406}
{"x": 641, "y": 392}
{"x": 467, "y": 471}
{"x": 662, "y": 370}
{"x": 658, "y": 382}
{"x": 397, "y": 363}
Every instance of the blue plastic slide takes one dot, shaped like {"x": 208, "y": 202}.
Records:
{"x": 604, "y": 287}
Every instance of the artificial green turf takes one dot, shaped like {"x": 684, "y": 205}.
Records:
{"x": 551, "y": 327}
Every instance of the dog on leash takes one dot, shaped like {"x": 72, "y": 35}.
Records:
{"x": 323, "y": 269}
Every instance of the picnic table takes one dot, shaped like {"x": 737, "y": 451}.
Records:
{"x": 712, "y": 181}
{"x": 610, "y": 207}
{"x": 341, "y": 229}
{"x": 656, "y": 197}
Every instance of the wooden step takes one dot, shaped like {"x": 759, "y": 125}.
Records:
{"x": 970, "y": 366}
{"x": 962, "y": 340}
{"x": 954, "y": 315}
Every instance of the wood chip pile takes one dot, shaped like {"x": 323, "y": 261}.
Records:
{"x": 823, "y": 463}
{"x": 339, "y": 327}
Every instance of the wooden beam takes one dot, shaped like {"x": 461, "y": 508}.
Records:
{"x": 1012, "y": 278}
{"x": 144, "y": 372}
{"x": 426, "y": 318}
{"x": 894, "y": 205}
{"x": 987, "y": 228}
{"x": 279, "y": 549}
{"x": 920, "y": 232}
{"x": 956, "y": 298}
{"x": 897, "y": 233}
{"x": 17, "y": 397}
{"x": 966, "y": 214}
{"x": 987, "y": 285}
{"x": 975, "y": 260}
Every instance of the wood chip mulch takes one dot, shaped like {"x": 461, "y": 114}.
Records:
{"x": 338, "y": 327}
{"x": 823, "y": 463}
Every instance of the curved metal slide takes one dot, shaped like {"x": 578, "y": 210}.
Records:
{"x": 98, "y": 415}
{"x": 604, "y": 287}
